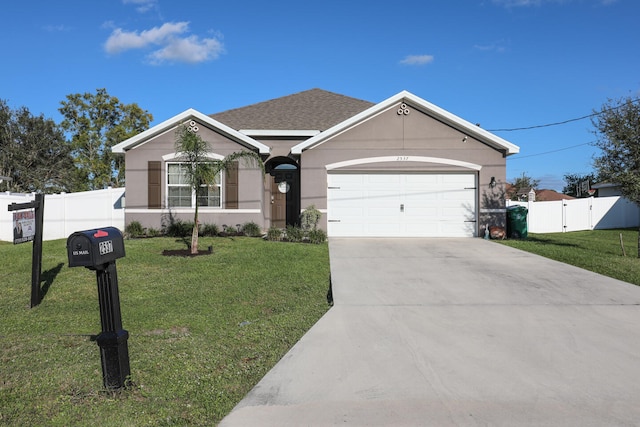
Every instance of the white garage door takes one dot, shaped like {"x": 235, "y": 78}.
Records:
{"x": 401, "y": 205}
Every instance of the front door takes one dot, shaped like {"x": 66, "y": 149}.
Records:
{"x": 278, "y": 203}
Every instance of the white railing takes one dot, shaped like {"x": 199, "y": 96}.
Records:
{"x": 68, "y": 212}
{"x": 592, "y": 213}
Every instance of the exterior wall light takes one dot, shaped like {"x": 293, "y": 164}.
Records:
{"x": 492, "y": 183}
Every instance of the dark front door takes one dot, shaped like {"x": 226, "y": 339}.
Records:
{"x": 278, "y": 203}
{"x": 285, "y": 195}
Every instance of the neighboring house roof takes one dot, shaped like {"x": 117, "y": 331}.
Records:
{"x": 605, "y": 185}
{"x": 189, "y": 114}
{"x": 313, "y": 109}
{"x": 421, "y": 105}
{"x": 551, "y": 195}
{"x": 543, "y": 195}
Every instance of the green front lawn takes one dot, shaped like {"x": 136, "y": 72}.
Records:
{"x": 597, "y": 250}
{"x": 203, "y": 331}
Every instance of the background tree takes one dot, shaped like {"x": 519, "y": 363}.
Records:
{"x": 522, "y": 185}
{"x": 617, "y": 127}
{"x": 96, "y": 122}
{"x": 573, "y": 181}
{"x": 33, "y": 152}
{"x": 202, "y": 171}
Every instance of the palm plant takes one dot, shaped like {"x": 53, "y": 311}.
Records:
{"x": 201, "y": 170}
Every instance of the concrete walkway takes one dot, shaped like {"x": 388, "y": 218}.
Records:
{"x": 458, "y": 332}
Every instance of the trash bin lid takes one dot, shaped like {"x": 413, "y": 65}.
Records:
{"x": 517, "y": 208}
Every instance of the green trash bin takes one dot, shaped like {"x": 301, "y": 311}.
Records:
{"x": 517, "y": 222}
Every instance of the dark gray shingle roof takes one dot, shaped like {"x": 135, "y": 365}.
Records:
{"x": 313, "y": 109}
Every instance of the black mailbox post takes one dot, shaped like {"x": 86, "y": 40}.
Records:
{"x": 98, "y": 250}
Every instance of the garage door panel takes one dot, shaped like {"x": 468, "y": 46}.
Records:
{"x": 401, "y": 205}
{"x": 383, "y": 179}
{"x": 382, "y": 230}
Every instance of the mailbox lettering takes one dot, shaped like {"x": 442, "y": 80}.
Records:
{"x": 106, "y": 247}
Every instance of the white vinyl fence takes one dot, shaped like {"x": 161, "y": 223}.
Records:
{"x": 592, "y": 213}
{"x": 68, "y": 212}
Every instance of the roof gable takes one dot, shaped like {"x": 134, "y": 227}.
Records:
{"x": 421, "y": 105}
{"x": 313, "y": 109}
{"x": 174, "y": 121}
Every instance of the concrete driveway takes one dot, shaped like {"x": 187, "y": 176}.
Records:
{"x": 458, "y": 332}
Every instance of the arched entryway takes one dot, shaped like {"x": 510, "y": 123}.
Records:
{"x": 284, "y": 187}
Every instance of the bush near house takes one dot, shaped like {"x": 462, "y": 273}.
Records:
{"x": 181, "y": 229}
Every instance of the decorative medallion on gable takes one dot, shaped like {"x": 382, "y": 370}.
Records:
{"x": 403, "y": 110}
{"x": 193, "y": 127}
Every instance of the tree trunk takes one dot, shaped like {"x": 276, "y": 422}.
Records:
{"x": 194, "y": 233}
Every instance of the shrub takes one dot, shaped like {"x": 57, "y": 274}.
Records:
{"x": 153, "y": 232}
{"x": 310, "y": 217}
{"x": 209, "y": 230}
{"x": 251, "y": 229}
{"x": 178, "y": 228}
{"x": 230, "y": 231}
{"x": 317, "y": 236}
{"x": 274, "y": 233}
{"x": 294, "y": 234}
{"x": 134, "y": 229}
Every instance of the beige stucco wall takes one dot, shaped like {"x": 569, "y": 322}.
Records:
{"x": 404, "y": 138}
{"x": 250, "y": 192}
{"x": 401, "y": 139}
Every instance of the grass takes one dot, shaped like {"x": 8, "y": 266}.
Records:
{"x": 203, "y": 330}
{"x": 598, "y": 250}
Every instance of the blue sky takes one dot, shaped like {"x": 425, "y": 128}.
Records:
{"x": 501, "y": 63}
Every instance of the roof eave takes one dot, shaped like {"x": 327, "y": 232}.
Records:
{"x": 428, "y": 108}
{"x": 160, "y": 128}
{"x": 286, "y": 133}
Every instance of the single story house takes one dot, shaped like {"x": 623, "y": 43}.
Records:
{"x": 402, "y": 167}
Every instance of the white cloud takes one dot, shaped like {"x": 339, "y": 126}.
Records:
{"x": 143, "y": 5}
{"x": 526, "y": 3}
{"x": 176, "y": 45}
{"x": 56, "y": 28}
{"x": 518, "y": 3}
{"x": 417, "y": 60}
{"x": 491, "y": 47}
{"x": 191, "y": 50}
{"x": 121, "y": 40}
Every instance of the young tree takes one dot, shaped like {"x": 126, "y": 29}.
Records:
{"x": 573, "y": 181}
{"x": 96, "y": 122}
{"x": 617, "y": 127}
{"x": 201, "y": 171}
{"x": 33, "y": 152}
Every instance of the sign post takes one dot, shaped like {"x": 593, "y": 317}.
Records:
{"x": 36, "y": 260}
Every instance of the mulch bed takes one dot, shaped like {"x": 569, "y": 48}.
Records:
{"x": 187, "y": 252}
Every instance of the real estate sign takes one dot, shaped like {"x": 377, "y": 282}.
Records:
{"x": 24, "y": 226}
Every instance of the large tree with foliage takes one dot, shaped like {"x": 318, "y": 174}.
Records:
{"x": 201, "y": 170}
{"x": 617, "y": 127}
{"x": 33, "y": 153}
{"x": 573, "y": 182}
{"x": 96, "y": 122}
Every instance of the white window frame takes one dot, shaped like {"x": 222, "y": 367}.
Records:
{"x": 173, "y": 159}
